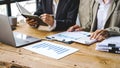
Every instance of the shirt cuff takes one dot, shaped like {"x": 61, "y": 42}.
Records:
{"x": 52, "y": 27}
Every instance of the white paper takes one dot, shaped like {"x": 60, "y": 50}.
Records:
{"x": 22, "y": 9}
{"x": 80, "y": 37}
{"x": 107, "y": 49}
{"x": 112, "y": 40}
{"x": 52, "y": 50}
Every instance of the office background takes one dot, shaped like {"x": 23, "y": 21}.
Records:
{"x": 8, "y": 7}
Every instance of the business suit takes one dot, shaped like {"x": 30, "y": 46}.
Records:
{"x": 84, "y": 12}
{"x": 112, "y": 22}
{"x": 66, "y": 12}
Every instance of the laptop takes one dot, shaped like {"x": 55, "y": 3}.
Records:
{"x": 9, "y": 37}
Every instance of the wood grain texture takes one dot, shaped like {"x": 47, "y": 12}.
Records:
{"x": 86, "y": 57}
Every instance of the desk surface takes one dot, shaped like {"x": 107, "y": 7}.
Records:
{"x": 86, "y": 57}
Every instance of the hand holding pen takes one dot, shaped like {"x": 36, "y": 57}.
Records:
{"x": 47, "y": 18}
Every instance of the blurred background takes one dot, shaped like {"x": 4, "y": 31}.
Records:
{"x": 8, "y": 7}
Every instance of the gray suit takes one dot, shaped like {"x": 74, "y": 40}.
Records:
{"x": 112, "y": 23}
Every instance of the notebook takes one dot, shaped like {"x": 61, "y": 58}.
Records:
{"x": 79, "y": 37}
{"x": 27, "y": 14}
{"x": 50, "y": 49}
{"x": 13, "y": 38}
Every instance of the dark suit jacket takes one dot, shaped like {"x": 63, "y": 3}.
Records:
{"x": 66, "y": 12}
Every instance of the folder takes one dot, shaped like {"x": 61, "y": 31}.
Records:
{"x": 25, "y": 13}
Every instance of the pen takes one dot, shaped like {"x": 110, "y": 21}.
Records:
{"x": 60, "y": 40}
{"x": 88, "y": 35}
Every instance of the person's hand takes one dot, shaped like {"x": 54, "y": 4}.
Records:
{"x": 99, "y": 35}
{"x": 47, "y": 18}
{"x": 75, "y": 28}
{"x": 31, "y": 22}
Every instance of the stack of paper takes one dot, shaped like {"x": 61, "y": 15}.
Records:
{"x": 80, "y": 37}
{"x": 111, "y": 44}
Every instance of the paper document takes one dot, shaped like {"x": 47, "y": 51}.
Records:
{"x": 80, "y": 37}
{"x": 108, "y": 49}
{"x": 111, "y": 45}
{"x": 52, "y": 50}
{"x": 112, "y": 40}
{"x": 22, "y": 9}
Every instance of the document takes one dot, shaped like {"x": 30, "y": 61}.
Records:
{"x": 80, "y": 37}
{"x": 112, "y": 41}
{"x": 111, "y": 45}
{"x": 50, "y": 49}
{"x": 108, "y": 49}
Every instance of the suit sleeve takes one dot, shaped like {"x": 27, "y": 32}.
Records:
{"x": 39, "y": 10}
{"x": 70, "y": 19}
{"x": 113, "y": 31}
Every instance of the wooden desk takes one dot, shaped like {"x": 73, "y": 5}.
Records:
{"x": 86, "y": 57}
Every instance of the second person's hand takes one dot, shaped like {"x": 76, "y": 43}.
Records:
{"x": 100, "y": 35}
{"x": 75, "y": 28}
{"x": 48, "y": 19}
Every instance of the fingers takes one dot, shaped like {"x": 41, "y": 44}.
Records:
{"x": 74, "y": 28}
{"x": 95, "y": 34}
{"x": 79, "y": 29}
{"x": 45, "y": 19}
{"x": 70, "y": 29}
{"x": 101, "y": 38}
{"x": 46, "y": 16}
{"x": 99, "y": 35}
{"x": 48, "y": 19}
{"x": 31, "y": 22}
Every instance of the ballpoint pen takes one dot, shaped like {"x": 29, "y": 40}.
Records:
{"x": 60, "y": 40}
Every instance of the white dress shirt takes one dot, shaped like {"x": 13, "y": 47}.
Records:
{"x": 50, "y": 28}
{"x": 102, "y": 13}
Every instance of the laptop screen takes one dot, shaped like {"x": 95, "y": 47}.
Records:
{"x": 7, "y": 36}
